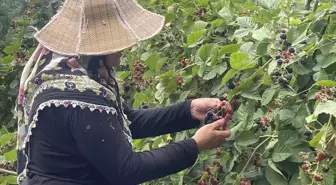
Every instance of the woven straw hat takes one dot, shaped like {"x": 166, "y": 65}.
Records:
{"x": 98, "y": 27}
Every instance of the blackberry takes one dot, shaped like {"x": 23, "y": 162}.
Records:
{"x": 291, "y": 50}
{"x": 277, "y": 57}
{"x": 289, "y": 70}
{"x": 325, "y": 169}
{"x": 231, "y": 86}
{"x": 279, "y": 62}
{"x": 264, "y": 129}
{"x": 257, "y": 121}
{"x": 283, "y": 36}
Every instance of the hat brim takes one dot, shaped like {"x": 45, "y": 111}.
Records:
{"x": 98, "y": 27}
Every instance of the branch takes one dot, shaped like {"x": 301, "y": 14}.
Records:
{"x": 315, "y": 5}
{"x": 7, "y": 171}
{"x": 307, "y": 5}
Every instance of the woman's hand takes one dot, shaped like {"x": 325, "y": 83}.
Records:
{"x": 200, "y": 106}
{"x": 209, "y": 136}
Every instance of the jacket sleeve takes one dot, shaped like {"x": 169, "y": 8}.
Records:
{"x": 101, "y": 140}
{"x": 157, "y": 121}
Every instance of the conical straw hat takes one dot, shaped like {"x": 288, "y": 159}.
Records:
{"x": 98, "y": 27}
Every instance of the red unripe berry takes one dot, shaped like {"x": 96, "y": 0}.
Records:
{"x": 236, "y": 101}
{"x": 218, "y": 152}
{"x": 207, "y": 169}
{"x": 257, "y": 164}
{"x": 238, "y": 84}
{"x": 317, "y": 97}
{"x": 305, "y": 166}
{"x": 248, "y": 182}
{"x": 242, "y": 178}
{"x": 270, "y": 110}
{"x": 318, "y": 178}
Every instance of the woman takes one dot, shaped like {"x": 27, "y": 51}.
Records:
{"x": 74, "y": 128}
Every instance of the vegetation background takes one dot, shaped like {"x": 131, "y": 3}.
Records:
{"x": 273, "y": 60}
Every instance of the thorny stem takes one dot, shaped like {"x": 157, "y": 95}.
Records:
{"x": 315, "y": 5}
{"x": 254, "y": 151}
{"x": 7, "y": 171}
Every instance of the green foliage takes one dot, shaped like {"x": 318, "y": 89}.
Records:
{"x": 225, "y": 48}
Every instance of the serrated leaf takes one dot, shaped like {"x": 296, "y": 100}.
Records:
{"x": 194, "y": 37}
{"x": 5, "y": 138}
{"x": 228, "y": 76}
{"x": 241, "y": 61}
{"x": 231, "y": 48}
{"x": 269, "y": 4}
{"x": 203, "y": 54}
{"x": 286, "y": 116}
{"x": 267, "y": 96}
{"x": 247, "y": 138}
{"x": 274, "y": 178}
{"x": 226, "y": 14}
{"x": 328, "y": 107}
{"x": 304, "y": 177}
{"x": 199, "y": 26}
{"x": 160, "y": 63}
{"x": 281, "y": 153}
{"x": 262, "y": 33}
{"x": 242, "y": 32}
{"x": 244, "y": 22}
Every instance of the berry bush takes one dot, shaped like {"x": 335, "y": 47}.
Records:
{"x": 274, "y": 61}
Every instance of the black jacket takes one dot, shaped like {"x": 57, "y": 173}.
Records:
{"x": 71, "y": 146}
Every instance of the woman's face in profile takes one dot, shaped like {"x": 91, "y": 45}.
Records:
{"x": 113, "y": 60}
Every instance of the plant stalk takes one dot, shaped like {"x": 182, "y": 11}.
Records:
{"x": 7, "y": 171}
{"x": 254, "y": 151}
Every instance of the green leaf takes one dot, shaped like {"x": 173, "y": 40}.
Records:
{"x": 212, "y": 74}
{"x": 247, "y": 138}
{"x": 317, "y": 138}
{"x": 324, "y": 61}
{"x": 10, "y": 156}
{"x": 262, "y": 48}
{"x": 226, "y": 14}
{"x": 327, "y": 83}
{"x": 7, "y": 59}
{"x": 122, "y": 75}
{"x": 184, "y": 95}
{"x": 244, "y": 22}
{"x": 148, "y": 74}
{"x": 11, "y": 49}
{"x": 274, "y": 177}
{"x": 272, "y": 165}
{"x": 267, "y": 96}
{"x": 241, "y": 61}
{"x": 328, "y": 107}
{"x": 269, "y": 4}
{"x": 11, "y": 179}
{"x": 304, "y": 177}
{"x": 228, "y": 76}
{"x": 204, "y": 53}
{"x": 286, "y": 116}
{"x": 199, "y": 26}
{"x": 14, "y": 84}
{"x": 242, "y": 32}
{"x": 160, "y": 63}
{"x": 5, "y": 138}
{"x": 262, "y": 33}
{"x": 281, "y": 153}
{"x": 231, "y": 48}
{"x": 152, "y": 61}
{"x": 194, "y": 37}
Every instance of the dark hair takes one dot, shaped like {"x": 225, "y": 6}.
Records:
{"x": 92, "y": 70}
{"x": 93, "y": 66}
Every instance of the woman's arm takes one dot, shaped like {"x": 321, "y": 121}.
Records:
{"x": 101, "y": 140}
{"x": 158, "y": 121}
